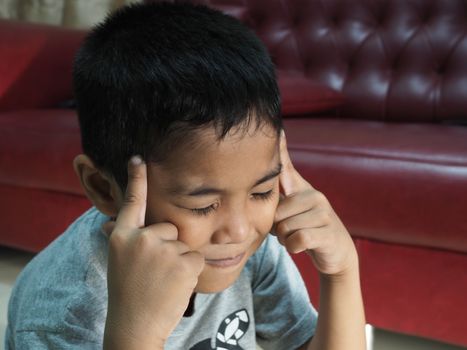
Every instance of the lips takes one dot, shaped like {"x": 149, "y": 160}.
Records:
{"x": 225, "y": 262}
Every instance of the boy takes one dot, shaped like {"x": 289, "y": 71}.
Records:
{"x": 175, "y": 253}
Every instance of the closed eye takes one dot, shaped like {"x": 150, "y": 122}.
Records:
{"x": 263, "y": 195}
{"x": 206, "y": 210}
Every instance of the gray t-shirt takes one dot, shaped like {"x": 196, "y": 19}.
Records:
{"x": 60, "y": 300}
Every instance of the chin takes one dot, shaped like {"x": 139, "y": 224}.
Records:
{"x": 215, "y": 279}
{"x": 212, "y": 281}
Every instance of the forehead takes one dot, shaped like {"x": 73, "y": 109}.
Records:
{"x": 240, "y": 158}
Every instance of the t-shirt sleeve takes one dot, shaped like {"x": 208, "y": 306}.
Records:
{"x": 46, "y": 340}
{"x": 284, "y": 315}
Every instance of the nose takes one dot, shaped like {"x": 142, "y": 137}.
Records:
{"x": 233, "y": 227}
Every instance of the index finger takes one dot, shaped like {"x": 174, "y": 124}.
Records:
{"x": 290, "y": 180}
{"x": 133, "y": 211}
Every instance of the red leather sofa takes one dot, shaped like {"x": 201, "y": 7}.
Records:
{"x": 375, "y": 107}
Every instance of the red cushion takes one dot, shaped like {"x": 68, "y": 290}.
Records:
{"x": 37, "y": 149}
{"x": 302, "y": 96}
{"x": 32, "y": 218}
{"x": 407, "y": 289}
{"x": 414, "y": 290}
{"x": 35, "y": 64}
{"x": 401, "y": 183}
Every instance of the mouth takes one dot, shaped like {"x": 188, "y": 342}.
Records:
{"x": 227, "y": 262}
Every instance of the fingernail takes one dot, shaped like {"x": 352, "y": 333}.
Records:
{"x": 136, "y": 160}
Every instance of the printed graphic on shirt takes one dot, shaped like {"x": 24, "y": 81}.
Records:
{"x": 232, "y": 328}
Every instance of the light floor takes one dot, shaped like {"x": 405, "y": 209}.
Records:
{"x": 12, "y": 261}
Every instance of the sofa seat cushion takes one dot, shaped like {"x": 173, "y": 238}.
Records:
{"x": 37, "y": 148}
{"x": 388, "y": 181}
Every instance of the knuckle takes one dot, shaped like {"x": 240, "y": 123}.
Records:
{"x": 307, "y": 198}
{"x": 320, "y": 197}
{"x": 325, "y": 217}
{"x": 167, "y": 250}
{"x": 282, "y": 228}
{"x": 303, "y": 239}
{"x": 118, "y": 239}
{"x": 300, "y": 237}
{"x": 143, "y": 241}
{"x": 130, "y": 199}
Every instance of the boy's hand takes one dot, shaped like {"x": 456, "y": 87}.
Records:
{"x": 151, "y": 275}
{"x": 305, "y": 221}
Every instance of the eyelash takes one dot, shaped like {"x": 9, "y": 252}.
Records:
{"x": 264, "y": 196}
{"x": 204, "y": 211}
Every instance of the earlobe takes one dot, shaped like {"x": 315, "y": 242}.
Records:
{"x": 101, "y": 189}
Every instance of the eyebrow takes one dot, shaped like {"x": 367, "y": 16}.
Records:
{"x": 203, "y": 191}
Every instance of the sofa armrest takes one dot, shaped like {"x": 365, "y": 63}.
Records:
{"x": 35, "y": 64}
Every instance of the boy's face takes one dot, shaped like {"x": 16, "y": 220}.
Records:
{"x": 222, "y": 197}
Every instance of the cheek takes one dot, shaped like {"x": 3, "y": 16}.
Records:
{"x": 192, "y": 231}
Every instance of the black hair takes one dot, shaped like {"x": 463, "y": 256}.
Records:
{"x": 153, "y": 71}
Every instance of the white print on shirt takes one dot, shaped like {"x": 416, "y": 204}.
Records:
{"x": 232, "y": 328}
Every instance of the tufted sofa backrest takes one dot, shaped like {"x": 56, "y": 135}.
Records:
{"x": 395, "y": 60}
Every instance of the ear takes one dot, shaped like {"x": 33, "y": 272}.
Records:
{"x": 101, "y": 189}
